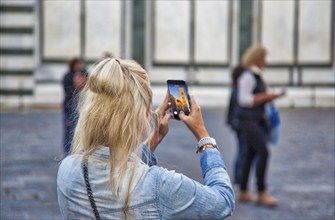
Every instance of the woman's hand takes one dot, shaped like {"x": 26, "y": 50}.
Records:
{"x": 265, "y": 97}
{"x": 194, "y": 120}
{"x": 161, "y": 124}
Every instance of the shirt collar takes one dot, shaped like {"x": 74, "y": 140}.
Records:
{"x": 255, "y": 69}
{"x": 102, "y": 152}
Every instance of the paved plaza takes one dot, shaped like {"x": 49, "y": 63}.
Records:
{"x": 301, "y": 172}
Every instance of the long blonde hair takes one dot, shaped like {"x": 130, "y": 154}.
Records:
{"x": 114, "y": 111}
{"x": 252, "y": 55}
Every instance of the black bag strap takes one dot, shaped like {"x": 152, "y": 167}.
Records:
{"x": 89, "y": 190}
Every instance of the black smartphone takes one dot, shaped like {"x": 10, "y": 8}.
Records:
{"x": 179, "y": 97}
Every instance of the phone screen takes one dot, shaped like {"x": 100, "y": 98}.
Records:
{"x": 179, "y": 97}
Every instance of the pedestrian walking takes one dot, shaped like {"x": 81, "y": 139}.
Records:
{"x": 252, "y": 96}
{"x": 79, "y": 81}
{"x": 75, "y": 65}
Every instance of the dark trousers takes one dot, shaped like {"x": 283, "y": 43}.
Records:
{"x": 255, "y": 140}
{"x": 239, "y": 159}
{"x": 67, "y": 139}
{"x": 67, "y": 134}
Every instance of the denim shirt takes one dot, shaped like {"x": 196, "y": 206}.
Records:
{"x": 156, "y": 193}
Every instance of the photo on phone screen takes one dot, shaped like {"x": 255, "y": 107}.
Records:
{"x": 179, "y": 97}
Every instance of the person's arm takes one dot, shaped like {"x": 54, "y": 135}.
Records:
{"x": 161, "y": 127}
{"x": 246, "y": 98}
{"x": 246, "y": 84}
{"x": 148, "y": 157}
{"x": 183, "y": 198}
{"x": 264, "y": 97}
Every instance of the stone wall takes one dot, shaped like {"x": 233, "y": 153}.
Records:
{"x": 198, "y": 41}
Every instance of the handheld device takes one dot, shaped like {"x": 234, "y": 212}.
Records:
{"x": 283, "y": 92}
{"x": 179, "y": 98}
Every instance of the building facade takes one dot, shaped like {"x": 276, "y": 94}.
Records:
{"x": 198, "y": 41}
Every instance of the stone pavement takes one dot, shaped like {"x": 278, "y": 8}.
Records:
{"x": 301, "y": 173}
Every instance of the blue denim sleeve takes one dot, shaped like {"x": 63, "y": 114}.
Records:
{"x": 210, "y": 159}
{"x": 147, "y": 156}
{"x": 183, "y": 198}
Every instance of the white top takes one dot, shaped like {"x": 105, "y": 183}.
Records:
{"x": 246, "y": 84}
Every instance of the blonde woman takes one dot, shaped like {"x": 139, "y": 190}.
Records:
{"x": 112, "y": 175}
{"x": 252, "y": 97}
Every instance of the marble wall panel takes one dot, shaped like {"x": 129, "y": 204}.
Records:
{"x": 162, "y": 74}
{"x": 16, "y": 82}
{"x": 212, "y": 97}
{"x": 16, "y": 20}
{"x": 213, "y": 75}
{"x": 51, "y": 71}
{"x": 324, "y": 97}
{"x": 211, "y": 31}
{"x": 314, "y": 31}
{"x": 277, "y": 76}
{"x": 49, "y": 94}
{"x": 18, "y": 62}
{"x": 299, "y": 97}
{"x": 61, "y": 29}
{"x": 17, "y": 41}
{"x": 277, "y": 32}
{"x": 171, "y": 31}
{"x": 15, "y": 101}
{"x": 317, "y": 75}
{"x": 103, "y": 28}
{"x": 18, "y": 2}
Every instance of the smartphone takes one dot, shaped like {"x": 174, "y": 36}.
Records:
{"x": 179, "y": 97}
{"x": 283, "y": 92}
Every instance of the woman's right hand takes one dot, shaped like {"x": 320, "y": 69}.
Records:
{"x": 161, "y": 124}
{"x": 194, "y": 120}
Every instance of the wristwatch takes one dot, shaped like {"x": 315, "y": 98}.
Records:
{"x": 206, "y": 141}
